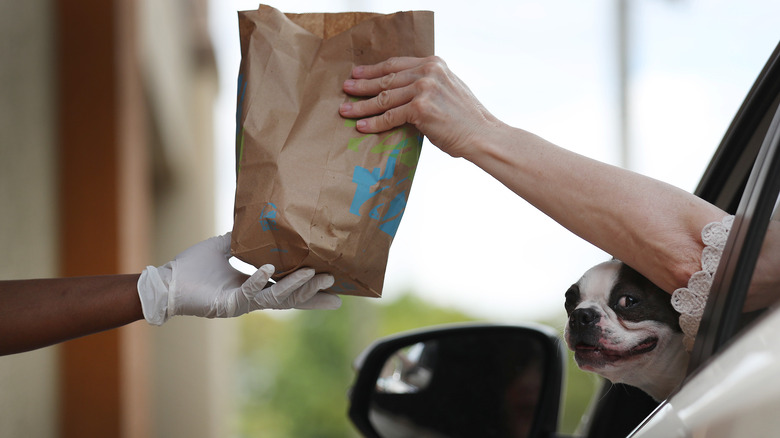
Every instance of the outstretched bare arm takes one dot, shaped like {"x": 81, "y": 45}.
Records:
{"x": 41, "y": 312}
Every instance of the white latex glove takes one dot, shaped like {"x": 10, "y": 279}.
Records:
{"x": 201, "y": 282}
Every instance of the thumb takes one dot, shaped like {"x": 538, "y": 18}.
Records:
{"x": 257, "y": 281}
{"x": 283, "y": 288}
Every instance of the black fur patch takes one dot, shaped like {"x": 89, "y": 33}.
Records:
{"x": 649, "y": 302}
{"x": 572, "y": 298}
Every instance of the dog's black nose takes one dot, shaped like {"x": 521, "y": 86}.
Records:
{"x": 581, "y": 318}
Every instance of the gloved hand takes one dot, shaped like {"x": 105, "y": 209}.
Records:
{"x": 201, "y": 282}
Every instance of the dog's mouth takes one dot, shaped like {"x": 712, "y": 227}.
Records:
{"x": 587, "y": 354}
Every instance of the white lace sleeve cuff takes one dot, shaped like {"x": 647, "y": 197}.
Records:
{"x": 690, "y": 301}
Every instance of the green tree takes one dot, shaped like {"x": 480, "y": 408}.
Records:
{"x": 295, "y": 368}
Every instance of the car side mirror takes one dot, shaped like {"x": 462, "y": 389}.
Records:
{"x": 460, "y": 381}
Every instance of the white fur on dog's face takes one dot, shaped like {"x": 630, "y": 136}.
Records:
{"x": 623, "y": 328}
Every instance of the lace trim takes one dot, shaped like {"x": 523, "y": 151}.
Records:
{"x": 690, "y": 301}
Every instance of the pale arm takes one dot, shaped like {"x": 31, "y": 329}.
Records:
{"x": 648, "y": 224}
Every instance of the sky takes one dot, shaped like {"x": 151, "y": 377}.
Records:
{"x": 549, "y": 67}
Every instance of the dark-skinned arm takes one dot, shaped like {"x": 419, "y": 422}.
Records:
{"x": 41, "y": 312}
{"x": 198, "y": 282}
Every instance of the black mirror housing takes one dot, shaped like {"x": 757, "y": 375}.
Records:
{"x": 505, "y": 380}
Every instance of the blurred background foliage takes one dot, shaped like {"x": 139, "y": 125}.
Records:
{"x": 295, "y": 368}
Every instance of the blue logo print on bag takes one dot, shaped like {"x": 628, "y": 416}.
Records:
{"x": 268, "y": 217}
{"x": 407, "y": 152}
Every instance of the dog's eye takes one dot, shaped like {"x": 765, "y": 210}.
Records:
{"x": 626, "y": 301}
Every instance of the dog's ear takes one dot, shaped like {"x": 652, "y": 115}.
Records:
{"x": 572, "y": 298}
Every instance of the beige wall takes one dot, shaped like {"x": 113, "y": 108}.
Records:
{"x": 191, "y": 356}
{"x": 28, "y": 237}
{"x": 191, "y": 381}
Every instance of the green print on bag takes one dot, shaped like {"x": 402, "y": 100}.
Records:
{"x": 406, "y": 152}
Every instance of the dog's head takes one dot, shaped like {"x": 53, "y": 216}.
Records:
{"x": 623, "y": 327}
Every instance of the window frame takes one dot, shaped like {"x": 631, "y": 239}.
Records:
{"x": 756, "y": 124}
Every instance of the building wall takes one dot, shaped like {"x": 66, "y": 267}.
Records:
{"x": 191, "y": 356}
{"x": 189, "y": 380}
{"x": 28, "y": 235}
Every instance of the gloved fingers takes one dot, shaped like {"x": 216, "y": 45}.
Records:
{"x": 321, "y": 301}
{"x": 308, "y": 290}
{"x": 257, "y": 281}
{"x": 277, "y": 295}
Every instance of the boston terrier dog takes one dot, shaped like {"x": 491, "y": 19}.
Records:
{"x": 623, "y": 327}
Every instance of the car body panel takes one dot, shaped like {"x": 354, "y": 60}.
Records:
{"x": 737, "y": 394}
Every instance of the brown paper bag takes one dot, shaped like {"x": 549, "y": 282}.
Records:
{"x": 311, "y": 190}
